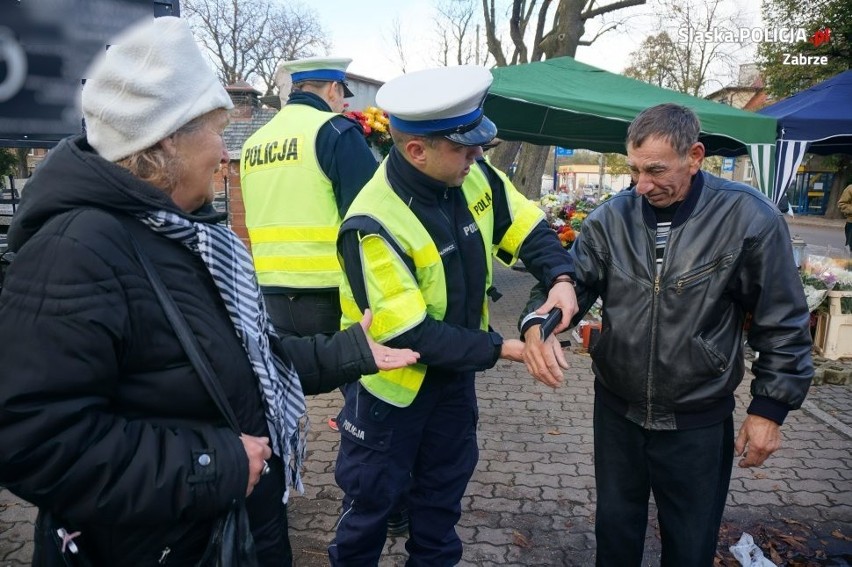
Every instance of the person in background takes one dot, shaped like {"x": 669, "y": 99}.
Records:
{"x": 299, "y": 174}
{"x": 416, "y": 249}
{"x": 845, "y": 206}
{"x": 679, "y": 261}
{"x": 105, "y": 423}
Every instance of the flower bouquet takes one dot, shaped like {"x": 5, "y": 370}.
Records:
{"x": 818, "y": 278}
{"x": 565, "y": 218}
{"x": 374, "y": 123}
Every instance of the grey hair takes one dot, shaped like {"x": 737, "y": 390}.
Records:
{"x": 677, "y": 124}
{"x": 155, "y": 166}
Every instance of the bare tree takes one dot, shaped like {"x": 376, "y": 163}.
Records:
{"x": 247, "y": 38}
{"x": 23, "y": 166}
{"x": 457, "y": 30}
{"x": 696, "y": 54}
{"x": 397, "y": 40}
{"x": 686, "y": 55}
{"x": 298, "y": 34}
{"x": 654, "y": 61}
{"x": 553, "y": 34}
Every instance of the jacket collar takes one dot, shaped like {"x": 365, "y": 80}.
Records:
{"x": 409, "y": 182}
{"x": 308, "y": 99}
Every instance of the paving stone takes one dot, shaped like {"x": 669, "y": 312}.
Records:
{"x": 755, "y": 498}
{"x": 841, "y": 513}
{"x": 817, "y": 474}
{"x": 538, "y": 480}
{"x": 511, "y": 467}
{"x": 805, "y": 498}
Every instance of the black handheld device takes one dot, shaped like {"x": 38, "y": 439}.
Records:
{"x": 550, "y": 323}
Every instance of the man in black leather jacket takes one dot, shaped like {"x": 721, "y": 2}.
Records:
{"x": 679, "y": 260}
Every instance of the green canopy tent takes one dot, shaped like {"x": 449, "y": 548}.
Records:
{"x": 563, "y": 102}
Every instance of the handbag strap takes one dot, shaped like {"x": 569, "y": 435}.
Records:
{"x": 187, "y": 338}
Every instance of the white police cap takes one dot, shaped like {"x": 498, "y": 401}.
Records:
{"x": 446, "y": 101}
{"x": 330, "y": 69}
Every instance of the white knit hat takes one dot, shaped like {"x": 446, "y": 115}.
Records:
{"x": 152, "y": 81}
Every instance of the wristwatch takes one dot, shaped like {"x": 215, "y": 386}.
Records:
{"x": 563, "y": 278}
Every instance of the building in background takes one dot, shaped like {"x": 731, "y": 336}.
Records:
{"x": 809, "y": 192}
{"x": 749, "y": 93}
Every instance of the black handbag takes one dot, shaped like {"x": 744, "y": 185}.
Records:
{"x": 231, "y": 543}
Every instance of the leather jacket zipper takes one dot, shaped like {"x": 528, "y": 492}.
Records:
{"x": 684, "y": 281}
{"x": 654, "y": 316}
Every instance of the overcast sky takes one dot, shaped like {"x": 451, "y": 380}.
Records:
{"x": 363, "y": 30}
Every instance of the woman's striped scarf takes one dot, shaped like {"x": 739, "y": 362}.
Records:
{"x": 232, "y": 270}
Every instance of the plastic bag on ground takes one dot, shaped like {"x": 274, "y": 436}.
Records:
{"x": 748, "y": 554}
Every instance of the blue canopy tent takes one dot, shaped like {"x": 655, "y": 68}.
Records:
{"x": 817, "y": 120}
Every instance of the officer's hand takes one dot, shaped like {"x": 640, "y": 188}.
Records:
{"x": 758, "y": 438}
{"x": 386, "y": 358}
{"x": 545, "y": 360}
{"x": 561, "y": 295}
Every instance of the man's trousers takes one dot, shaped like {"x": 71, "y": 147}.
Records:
{"x": 688, "y": 472}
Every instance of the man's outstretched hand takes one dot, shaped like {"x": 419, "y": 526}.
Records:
{"x": 545, "y": 360}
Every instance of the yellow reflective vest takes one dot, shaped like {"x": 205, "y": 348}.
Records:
{"x": 291, "y": 212}
{"x": 399, "y": 299}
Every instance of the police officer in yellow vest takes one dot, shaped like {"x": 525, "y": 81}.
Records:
{"x": 299, "y": 174}
{"x": 416, "y": 248}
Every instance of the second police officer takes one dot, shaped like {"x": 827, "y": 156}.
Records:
{"x": 299, "y": 174}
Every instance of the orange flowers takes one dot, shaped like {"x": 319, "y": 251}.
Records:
{"x": 566, "y": 235}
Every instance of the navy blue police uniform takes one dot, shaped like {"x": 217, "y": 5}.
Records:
{"x": 428, "y": 449}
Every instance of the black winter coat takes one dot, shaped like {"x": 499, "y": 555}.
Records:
{"x": 102, "y": 417}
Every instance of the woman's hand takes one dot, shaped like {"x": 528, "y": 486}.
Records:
{"x": 386, "y": 358}
{"x": 257, "y": 451}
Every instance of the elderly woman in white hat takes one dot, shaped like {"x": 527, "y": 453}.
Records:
{"x": 109, "y": 426}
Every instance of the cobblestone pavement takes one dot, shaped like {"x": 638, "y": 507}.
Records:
{"x": 531, "y": 500}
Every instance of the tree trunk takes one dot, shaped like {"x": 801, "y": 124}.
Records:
{"x": 531, "y": 163}
{"x": 504, "y": 155}
{"x": 23, "y": 171}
